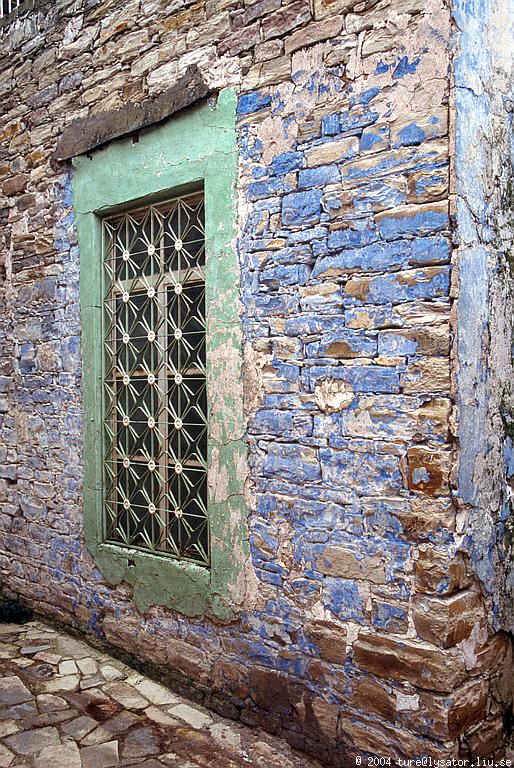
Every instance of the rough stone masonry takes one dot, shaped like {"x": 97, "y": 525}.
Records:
{"x": 375, "y": 236}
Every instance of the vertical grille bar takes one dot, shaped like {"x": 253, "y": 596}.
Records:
{"x": 7, "y": 7}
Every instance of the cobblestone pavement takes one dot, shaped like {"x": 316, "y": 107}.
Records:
{"x": 64, "y": 704}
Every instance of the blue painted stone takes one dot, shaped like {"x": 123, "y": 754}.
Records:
{"x": 355, "y": 120}
{"x": 299, "y": 254}
{"x": 373, "y": 138}
{"x": 307, "y": 235}
{"x": 272, "y": 422}
{"x": 262, "y": 189}
{"x": 282, "y": 274}
{"x": 370, "y": 258}
{"x": 318, "y": 177}
{"x": 308, "y": 324}
{"x": 369, "y": 95}
{"x": 301, "y": 208}
{"x": 404, "y": 67}
{"x": 342, "y": 597}
{"x": 330, "y": 124}
{"x": 275, "y": 304}
{"x": 362, "y": 378}
{"x": 411, "y": 135}
{"x": 359, "y": 233}
{"x": 393, "y": 344}
{"x": 389, "y": 617}
{"x": 287, "y": 162}
{"x": 347, "y": 343}
{"x": 430, "y": 250}
{"x": 253, "y": 102}
{"x": 292, "y": 462}
{"x": 418, "y": 223}
{"x": 370, "y": 474}
{"x": 395, "y": 288}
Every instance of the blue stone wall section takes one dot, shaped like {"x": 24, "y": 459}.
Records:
{"x": 484, "y": 212}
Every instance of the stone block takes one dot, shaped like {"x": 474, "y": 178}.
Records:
{"x": 333, "y": 151}
{"x": 413, "y": 220}
{"x": 333, "y": 396}
{"x": 301, "y": 208}
{"x": 329, "y": 641}
{"x": 255, "y": 101}
{"x": 388, "y": 617}
{"x": 15, "y": 184}
{"x": 428, "y": 471}
{"x": 368, "y": 473}
{"x": 447, "y": 717}
{"x": 432, "y": 340}
{"x": 436, "y": 571}
{"x": 286, "y": 19}
{"x": 412, "y": 130}
{"x": 296, "y": 463}
{"x": 421, "y": 664}
{"x": 428, "y": 283}
{"x": 324, "y": 8}
{"x": 343, "y": 344}
{"x": 430, "y": 374}
{"x": 352, "y": 564}
{"x": 271, "y": 49}
{"x": 394, "y": 741}
{"x": 318, "y": 177}
{"x": 343, "y": 598}
{"x": 375, "y": 697}
{"x": 362, "y": 378}
{"x": 446, "y": 621}
{"x": 273, "y": 691}
{"x": 314, "y": 33}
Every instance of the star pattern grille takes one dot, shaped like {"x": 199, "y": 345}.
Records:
{"x": 155, "y": 380}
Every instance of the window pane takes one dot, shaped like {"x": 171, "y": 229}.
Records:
{"x": 156, "y": 414}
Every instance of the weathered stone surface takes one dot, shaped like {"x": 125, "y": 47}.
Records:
{"x": 428, "y": 471}
{"x": 403, "y": 659}
{"x": 438, "y": 572}
{"x": 88, "y": 133}
{"x": 446, "y": 621}
{"x": 329, "y": 640}
{"x": 345, "y": 563}
{"x": 12, "y": 691}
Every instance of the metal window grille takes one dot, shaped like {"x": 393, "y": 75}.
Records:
{"x": 8, "y": 6}
{"x": 155, "y": 379}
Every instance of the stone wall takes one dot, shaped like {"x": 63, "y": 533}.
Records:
{"x": 365, "y": 628}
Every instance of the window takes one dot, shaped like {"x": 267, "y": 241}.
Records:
{"x": 165, "y": 461}
{"x": 156, "y": 414}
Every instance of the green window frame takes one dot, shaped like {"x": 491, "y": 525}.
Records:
{"x": 195, "y": 150}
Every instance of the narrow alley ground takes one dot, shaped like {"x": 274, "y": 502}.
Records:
{"x": 64, "y": 704}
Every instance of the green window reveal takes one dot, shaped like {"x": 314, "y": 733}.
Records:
{"x": 164, "y": 457}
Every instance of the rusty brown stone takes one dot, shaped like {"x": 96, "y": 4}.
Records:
{"x": 485, "y": 739}
{"x": 15, "y": 184}
{"x": 436, "y": 572}
{"x": 271, "y": 690}
{"x": 404, "y": 659}
{"x": 374, "y": 696}
{"x": 427, "y": 470}
{"x": 329, "y": 639}
{"x": 446, "y": 621}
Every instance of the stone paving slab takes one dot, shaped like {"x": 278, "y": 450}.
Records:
{"x": 64, "y": 704}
